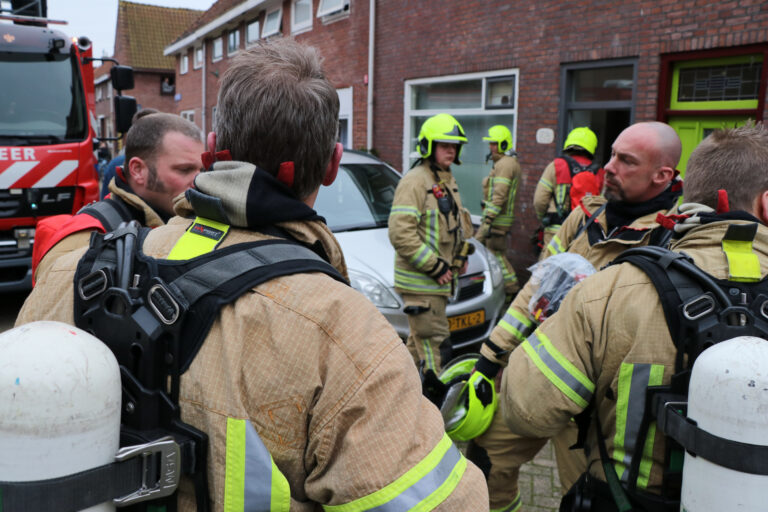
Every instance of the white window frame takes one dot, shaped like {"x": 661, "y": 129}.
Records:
{"x": 214, "y": 111}
{"x": 109, "y": 89}
{"x": 302, "y": 26}
{"x": 267, "y": 32}
{"x": 323, "y": 9}
{"x": 189, "y": 115}
{"x": 236, "y": 33}
{"x": 184, "y": 63}
{"x": 99, "y": 93}
{"x": 346, "y": 110}
{"x": 197, "y": 64}
{"x": 251, "y": 42}
{"x": 220, "y": 41}
{"x": 410, "y": 111}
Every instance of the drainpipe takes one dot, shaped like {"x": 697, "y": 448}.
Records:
{"x": 205, "y": 77}
{"x": 371, "y": 39}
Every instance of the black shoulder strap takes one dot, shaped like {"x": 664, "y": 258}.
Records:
{"x": 588, "y": 222}
{"x": 111, "y": 212}
{"x": 575, "y": 167}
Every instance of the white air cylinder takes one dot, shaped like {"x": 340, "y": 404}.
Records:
{"x": 728, "y": 397}
{"x": 59, "y": 403}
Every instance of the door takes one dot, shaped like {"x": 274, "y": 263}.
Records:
{"x": 693, "y": 130}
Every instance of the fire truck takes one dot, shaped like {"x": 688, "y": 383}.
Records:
{"x": 47, "y": 130}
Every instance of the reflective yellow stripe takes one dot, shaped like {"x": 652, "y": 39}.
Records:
{"x": 420, "y": 489}
{"x": 555, "y": 246}
{"x": 512, "y": 507}
{"x": 559, "y": 370}
{"x": 201, "y": 237}
{"x": 252, "y": 480}
{"x": 516, "y": 324}
{"x": 743, "y": 263}
{"x": 234, "y": 475}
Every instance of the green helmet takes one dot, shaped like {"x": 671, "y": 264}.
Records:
{"x": 440, "y": 128}
{"x": 501, "y": 135}
{"x": 471, "y": 400}
{"x": 581, "y": 137}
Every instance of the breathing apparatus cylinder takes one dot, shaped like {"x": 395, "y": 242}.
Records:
{"x": 727, "y": 397}
{"x": 60, "y": 411}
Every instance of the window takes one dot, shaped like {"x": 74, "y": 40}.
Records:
{"x": 218, "y": 50}
{"x": 109, "y": 89}
{"x": 99, "y": 92}
{"x": 328, "y": 7}
{"x": 184, "y": 65}
{"x": 272, "y": 23}
{"x": 189, "y": 115}
{"x": 252, "y": 33}
{"x": 598, "y": 95}
{"x": 301, "y": 15}
{"x": 477, "y": 101}
{"x": 726, "y": 83}
{"x": 233, "y": 42}
{"x": 167, "y": 85}
{"x": 345, "y": 117}
{"x": 198, "y": 59}
{"x": 213, "y": 117}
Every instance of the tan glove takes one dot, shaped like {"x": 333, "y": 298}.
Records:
{"x": 483, "y": 232}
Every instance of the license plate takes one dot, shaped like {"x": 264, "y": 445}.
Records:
{"x": 459, "y": 322}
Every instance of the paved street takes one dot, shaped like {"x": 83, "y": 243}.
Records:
{"x": 539, "y": 483}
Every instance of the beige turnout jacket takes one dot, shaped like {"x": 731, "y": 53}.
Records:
{"x": 607, "y": 343}
{"x": 315, "y": 370}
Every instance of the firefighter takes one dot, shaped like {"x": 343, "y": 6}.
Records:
{"x": 555, "y": 374}
{"x": 559, "y": 190}
{"x": 641, "y": 183}
{"x": 300, "y": 382}
{"x": 163, "y": 155}
{"x": 499, "y": 190}
{"x": 427, "y": 227}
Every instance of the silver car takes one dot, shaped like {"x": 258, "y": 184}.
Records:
{"x": 356, "y": 208}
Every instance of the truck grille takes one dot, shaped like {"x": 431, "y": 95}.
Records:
{"x": 10, "y": 204}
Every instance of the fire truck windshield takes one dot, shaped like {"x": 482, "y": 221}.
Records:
{"x": 41, "y": 99}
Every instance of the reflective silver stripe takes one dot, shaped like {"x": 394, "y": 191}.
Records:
{"x": 258, "y": 472}
{"x": 425, "y": 486}
{"x": 558, "y": 369}
{"x": 635, "y": 410}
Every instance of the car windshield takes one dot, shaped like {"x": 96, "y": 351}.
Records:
{"x": 360, "y": 198}
{"x": 41, "y": 97}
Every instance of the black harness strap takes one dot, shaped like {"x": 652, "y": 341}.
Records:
{"x": 112, "y": 212}
{"x": 590, "y": 220}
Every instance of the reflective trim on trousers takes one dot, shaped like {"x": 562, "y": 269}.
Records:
{"x": 560, "y": 372}
{"x": 512, "y": 507}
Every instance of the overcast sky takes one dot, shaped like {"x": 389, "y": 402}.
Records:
{"x": 97, "y": 18}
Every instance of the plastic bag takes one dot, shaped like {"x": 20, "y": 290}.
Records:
{"x": 552, "y": 279}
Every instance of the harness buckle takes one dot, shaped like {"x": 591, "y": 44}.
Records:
{"x": 764, "y": 308}
{"x": 698, "y": 307}
{"x": 161, "y": 465}
{"x": 92, "y": 285}
{"x": 163, "y": 304}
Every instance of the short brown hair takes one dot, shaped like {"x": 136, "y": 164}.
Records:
{"x": 275, "y": 105}
{"x": 145, "y": 138}
{"x": 733, "y": 159}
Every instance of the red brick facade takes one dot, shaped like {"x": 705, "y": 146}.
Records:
{"x": 421, "y": 40}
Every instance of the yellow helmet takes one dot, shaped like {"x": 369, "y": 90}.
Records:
{"x": 440, "y": 128}
{"x": 581, "y": 137}
{"x": 470, "y": 401}
{"x": 501, "y": 135}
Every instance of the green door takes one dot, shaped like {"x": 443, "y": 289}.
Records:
{"x": 693, "y": 129}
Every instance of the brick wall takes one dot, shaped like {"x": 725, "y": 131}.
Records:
{"x": 343, "y": 43}
{"x": 537, "y": 37}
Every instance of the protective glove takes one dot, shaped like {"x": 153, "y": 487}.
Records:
{"x": 487, "y": 367}
{"x": 440, "y": 268}
{"x": 483, "y": 232}
{"x": 484, "y": 387}
{"x": 433, "y": 388}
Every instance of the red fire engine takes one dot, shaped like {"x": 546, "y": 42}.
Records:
{"x": 47, "y": 131}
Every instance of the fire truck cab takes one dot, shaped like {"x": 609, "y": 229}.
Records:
{"x": 47, "y": 133}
